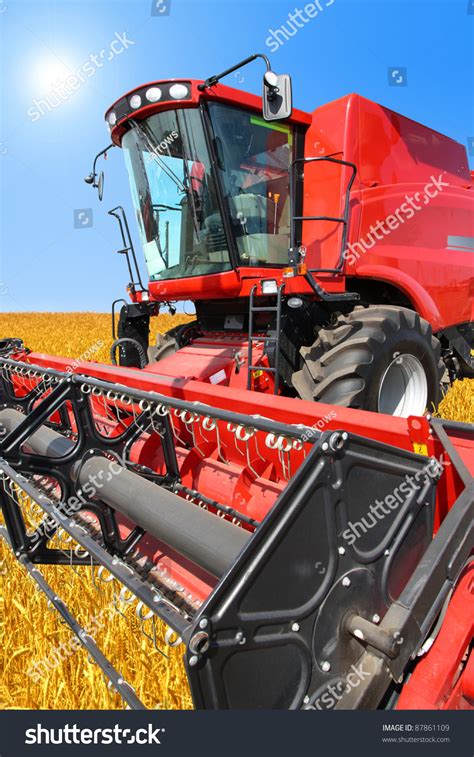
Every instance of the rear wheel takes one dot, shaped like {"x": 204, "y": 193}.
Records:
{"x": 380, "y": 358}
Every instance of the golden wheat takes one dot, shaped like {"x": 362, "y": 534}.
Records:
{"x": 29, "y": 629}
{"x": 74, "y": 335}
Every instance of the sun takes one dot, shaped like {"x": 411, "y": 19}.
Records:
{"x": 47, "y": 71}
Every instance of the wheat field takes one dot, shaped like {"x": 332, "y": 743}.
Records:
{"x": 30, "y": 630}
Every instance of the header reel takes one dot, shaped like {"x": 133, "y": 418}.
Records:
{"x": 274, "y": 552}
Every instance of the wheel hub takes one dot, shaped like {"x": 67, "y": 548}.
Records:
{"x": 404, "y": 388}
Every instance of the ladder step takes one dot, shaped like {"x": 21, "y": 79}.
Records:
{"x": 261, "y": 368}
{"x": 267, "y": 340}
{"x": 264, "y": 310}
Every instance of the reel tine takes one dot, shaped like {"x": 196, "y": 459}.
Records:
{"x": 150, "y": 410}
{"x": 93, "y": 577}
{"x": 144, "y": 618}
{"x": 172, "y": 643}
{"x": 173, "y": 428}
{"x": 257, "y": 450}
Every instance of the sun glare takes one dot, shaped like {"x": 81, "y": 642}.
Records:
{"x": 48, "y": 71}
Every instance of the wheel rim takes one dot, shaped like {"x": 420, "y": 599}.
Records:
{"x": 403, "y": 389}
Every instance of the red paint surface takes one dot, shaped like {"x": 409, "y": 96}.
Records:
{"x": 444, "y": 677}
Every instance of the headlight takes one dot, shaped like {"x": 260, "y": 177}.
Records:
{"x": 269, "y": 287}
{"x": 178, "y": 91}
{"x": 135, "y": 101}
{"x": 153, "y": 94}
{"x": 295, "y": 302}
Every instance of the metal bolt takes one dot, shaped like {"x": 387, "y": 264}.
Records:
{"x": 193, "y": 661}
{"x": 346, "y": 581}
{"x": 203, "y": 623}
{"x": 345, "y": 436}
{"x": 156, "y": 598}
{"x": 387, "y": 552}
{"x": 239, "y": 635}
{"x": 336, "y": 441}
{"x": 326, "y": 666}
{"x": 376, "y": 618}
{"x": 341, "y": 550}
{"x": 306, "y": 700}
{"x": 295, "y": 627}
{"x": 325, "y": 447}
{"x": 199, "y": 642}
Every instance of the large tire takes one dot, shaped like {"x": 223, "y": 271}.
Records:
{"x": 380, "y": 358}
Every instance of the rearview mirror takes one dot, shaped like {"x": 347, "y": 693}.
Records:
{"x": 100, "y": 186}
{"x": 97, "y": 180}
{"x": 277, "y": 96}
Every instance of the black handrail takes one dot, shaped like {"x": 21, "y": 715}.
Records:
{"x": 336, "y": 219}
{"x": 128, "y": 248}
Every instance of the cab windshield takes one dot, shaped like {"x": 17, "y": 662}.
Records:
{"x": 175, "y": 197}
{"x": 175, "y": 192}
{"x": 254, "y": 158}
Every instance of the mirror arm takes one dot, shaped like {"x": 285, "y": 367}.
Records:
{"x": 92, "y": 178}
{"x": 212, "y": 80}
{"x": 102, "y": 152}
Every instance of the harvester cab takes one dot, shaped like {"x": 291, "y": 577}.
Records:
{"x": 282, "y": 542}
{"x": 320, "y": 248}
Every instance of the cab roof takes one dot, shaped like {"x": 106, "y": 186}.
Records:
{"x": 165, "y": 94}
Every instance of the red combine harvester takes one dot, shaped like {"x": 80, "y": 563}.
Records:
{"x": 291, "y": 544}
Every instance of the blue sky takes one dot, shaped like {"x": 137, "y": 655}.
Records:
{"x": 47, "y": 264}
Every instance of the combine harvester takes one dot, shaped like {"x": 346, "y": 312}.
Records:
{"x": 287, "y": 542}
